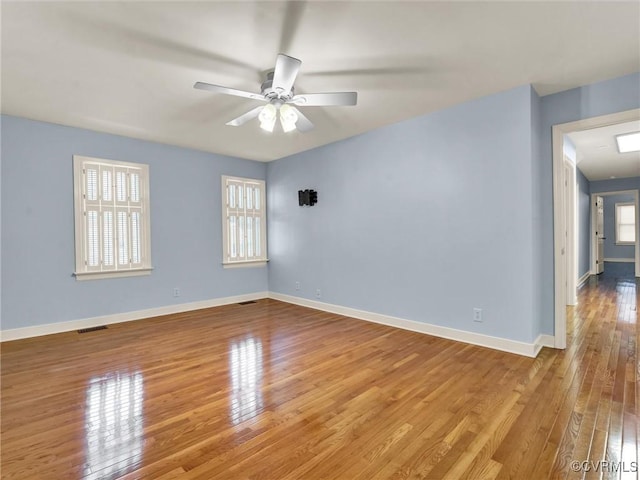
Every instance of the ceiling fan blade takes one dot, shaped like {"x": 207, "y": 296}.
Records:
{"x": 228, "y": 91}
{"x": 285, "y": 73}
{"x": 244, "y": 118}
{"x": 303, "y": 124}
{"x": 366, "y": 72}
{"x": 326, "y": 99}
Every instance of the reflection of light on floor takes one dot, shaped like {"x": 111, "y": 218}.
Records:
{"x": 113, "y": 424}
{"x": 245, "y": 362}
{"x": 627, "y": 310}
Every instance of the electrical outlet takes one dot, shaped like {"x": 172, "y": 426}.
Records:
{"x": 318, "y": 293}
{"x": 477, "y": 314}
{"x": 176, "y": 292}
{"x": 297, "y": 285}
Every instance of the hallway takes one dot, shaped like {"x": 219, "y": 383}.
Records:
{"x": 598, "y": 419}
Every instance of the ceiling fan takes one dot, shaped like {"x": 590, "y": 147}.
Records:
{"x": 278, "y": 92}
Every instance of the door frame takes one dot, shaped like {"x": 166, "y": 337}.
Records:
{"x": 559, "y": 225}
{"x": 594, "y": 245}
{"x": 570, "y": 208}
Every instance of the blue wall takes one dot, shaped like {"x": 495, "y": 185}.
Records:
{"x": 601, "y": 98}
{"x": 38, "y": 233}
{"x": 615, "y": 185}
{"x": 410, "y": 156}
{"x": 611, "y": 250}
{"x": 425, "y": 219}
{"x": 536, "y": 213}
{"x": 1, "y": 121}
{"x": 583, "y": 194}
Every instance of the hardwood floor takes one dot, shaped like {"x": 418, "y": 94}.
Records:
{"x": 275, "y": 391}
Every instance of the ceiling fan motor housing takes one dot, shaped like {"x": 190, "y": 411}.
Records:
{"x": 271, "y": 93}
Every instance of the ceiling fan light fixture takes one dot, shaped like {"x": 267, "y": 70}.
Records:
{"x": 268, "y": 125}
{"x": 267, "y": 117}
{"x": 287, "y": 126}
{"x": 288, "y": 118}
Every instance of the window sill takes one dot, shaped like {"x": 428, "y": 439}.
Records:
{"x": 622, "y": 244}
{"x": 249, "y": 263}
{"x": 82, "y": 276}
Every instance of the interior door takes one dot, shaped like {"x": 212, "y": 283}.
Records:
{"x": 599, "y": 235}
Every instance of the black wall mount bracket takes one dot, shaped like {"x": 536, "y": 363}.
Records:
{"x": 307, "y": 197}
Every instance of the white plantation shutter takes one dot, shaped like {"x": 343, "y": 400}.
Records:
{"x": 258, "y": 245}
{"x": 92, "y": 183}
{"x": 92, "y": 217}
{"x": 93, "y": 239}
{"x": 112, "y": 217}
{"x": 135, "y": 219}
{"x": 108, "y": 259}
{"x": 122, "y": 195}
{"x": 625, "y": 223}
{"x": 122, "y": 227}
{"x": 136, "y": 254}
{"x": 244, "y": 220}
{"x": 134, "y": 186}
{"x": 107, "y": 184}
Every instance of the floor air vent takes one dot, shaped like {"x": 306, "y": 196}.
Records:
{"x": 92, "y": 329}
{"x": 247, "y": 303}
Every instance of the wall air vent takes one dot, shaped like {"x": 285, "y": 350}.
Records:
{"x": 92, "y": 329}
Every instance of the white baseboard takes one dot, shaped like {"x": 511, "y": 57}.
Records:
{"x": 583, "y": 279}
{"x": 496, "y": 343}
{"x": 620, "y": 260}
{"x": 503, "y": 344}
{"x": 544, "y": 340}
{"x": 38, "y": 330}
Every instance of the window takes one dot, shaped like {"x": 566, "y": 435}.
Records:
{"x": 111, "y": 218}
{"x": 243, "y": 221}
{"x": 625, "y": 223}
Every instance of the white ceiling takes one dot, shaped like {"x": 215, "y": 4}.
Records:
{"x": 597, "y": 152}
{"x": 128, "y": 68}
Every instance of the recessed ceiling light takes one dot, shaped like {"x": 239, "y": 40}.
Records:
{"x": 612, "y": 176}
{"x": 628, "y": 142}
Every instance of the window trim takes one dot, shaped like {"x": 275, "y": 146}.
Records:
{"x": 254, "y": 262}
{"x": 134, "y": 272}
{"x": 246, "y": 263}
{"x": 617, "y": 225}
{"x": 82, "y": 274}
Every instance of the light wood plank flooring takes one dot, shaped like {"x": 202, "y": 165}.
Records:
{"x": 274, "y": 391}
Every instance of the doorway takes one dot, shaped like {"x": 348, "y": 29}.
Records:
{"x": 598, "y": 238}
{"x": 564, "y": 211}
{"x": 603, "y": 228}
